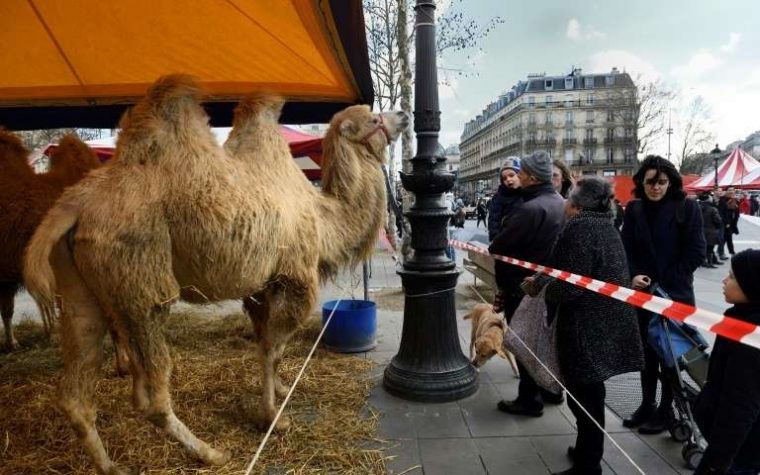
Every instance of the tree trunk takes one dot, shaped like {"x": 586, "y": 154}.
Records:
{"x": 405, "y": 82}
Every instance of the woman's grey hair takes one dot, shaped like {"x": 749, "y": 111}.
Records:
{"x": 592, "y": 193}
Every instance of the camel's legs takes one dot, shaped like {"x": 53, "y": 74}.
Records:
{"x": 289, "y": 303}
{"x": 7, "y": 294}
{"x": 150, "y": 364}
{"x": 82, "y": 330}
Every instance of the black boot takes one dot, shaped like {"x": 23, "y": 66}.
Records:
{"x": 641, "y": 415}
{"x": 715, "y": 260}
{"x": 660, "y": 421}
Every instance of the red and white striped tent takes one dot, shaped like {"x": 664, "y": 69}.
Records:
{"x": 305, "y": 148}
{"x": 736, "y": 171}
{"x": 752, "y": 180}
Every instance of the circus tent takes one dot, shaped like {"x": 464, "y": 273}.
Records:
{"x": 305, "y": 148}
{"x": 735, "y": 171}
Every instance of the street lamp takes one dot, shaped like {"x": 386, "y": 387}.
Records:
{"x": 716, "y": 155}
{"x": 429, "y": 365}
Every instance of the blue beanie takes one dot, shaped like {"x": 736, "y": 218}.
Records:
{"x": 511, "y": 163}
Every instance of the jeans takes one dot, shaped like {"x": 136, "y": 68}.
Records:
{"x": 727, "y": 238}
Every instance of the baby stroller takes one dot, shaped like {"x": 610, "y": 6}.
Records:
{"x": 681, "y": 348}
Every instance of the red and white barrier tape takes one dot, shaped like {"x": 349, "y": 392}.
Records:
{"x": 723, "y": 325}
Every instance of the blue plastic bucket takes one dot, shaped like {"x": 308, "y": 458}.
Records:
{"x": 353, "y": 328}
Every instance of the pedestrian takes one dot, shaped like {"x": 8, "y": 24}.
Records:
{"x": 712, "y": 226}
{"x": 754, "y": 205}
{"x": 507, "y": 196}
{"x": 727, "y": 410}
{"x": 728, "y": 208}
{"x": 597, "y": 337}
{"x": 619, "y": 212}
{"x": 665, "y": 244}
{"x": 481, "y": 211}
{"x": 562, "y": 178}
{"x": 744, "y": 204}
{"x": 528, "y": 233}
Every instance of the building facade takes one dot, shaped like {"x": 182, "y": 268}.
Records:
{"x": 588, "y": 120}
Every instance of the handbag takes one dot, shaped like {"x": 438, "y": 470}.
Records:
{"x": 530, "y": 324}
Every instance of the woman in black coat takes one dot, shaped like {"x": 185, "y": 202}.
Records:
{"x": 713, "y": 226}
{"x": 597, "y": 337}
{"x": 665, "y": 244}
{"x": 728, "y": 408}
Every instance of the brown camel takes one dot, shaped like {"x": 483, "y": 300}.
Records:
{"x": 176, "y": 216}
{"x": 25, "y": 197}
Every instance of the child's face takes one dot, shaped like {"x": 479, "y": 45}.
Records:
{"x": 731, "y": 290}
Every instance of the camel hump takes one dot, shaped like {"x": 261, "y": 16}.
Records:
{"x": 71, "y": 146}
{"x": 13, "y": 152}
{"x": 260, "y": 105}
{"x": 172, "y": 88}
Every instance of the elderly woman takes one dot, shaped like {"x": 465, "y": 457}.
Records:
{"x": 597, "y": 337}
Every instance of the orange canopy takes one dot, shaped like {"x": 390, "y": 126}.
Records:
{"x": 81, "y": 62}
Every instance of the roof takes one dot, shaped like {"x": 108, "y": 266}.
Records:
{"x": 82, "y": 63}
{"x": 735, "y": 171}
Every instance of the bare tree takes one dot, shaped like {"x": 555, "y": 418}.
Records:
{"x": 644, "y": 109}
{"x": 35, "y": 139}
{"x": 694, "y": 135}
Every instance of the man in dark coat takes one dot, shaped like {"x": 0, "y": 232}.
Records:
{"x": 728, "y": 408}
{"x": 665, "y": 244}
{"x": 728, "y": 208}
{"x": 713, "y": 226}
{"x": 528, "y": 233}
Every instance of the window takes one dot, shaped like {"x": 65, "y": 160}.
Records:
{"x": 590, "y": 100}
{"x": 589, "y": 134}
{"x": 610, "y": 134}
{"x": 628, "y": 155}
{"x": 609, "y": 80}
{"x": 590, "y": 155}
{"x": 608, "y": 173}
{"x": 549, "y": 118}
{"x": 569, "y": 134}
{"x": 568, "y": 83}
{"x": 610, "y": 115}
{"x": 532, "y": 101}
{"x": 610, "y": 155}
{"x": 588, "y": 82}
{"x": 531, "y": 118}
{"x": 569, "y": 100}
{"x": 549, "y": 84}
{"x": 629, "y": 132}
{"x": 569, "y": 156}
{"x": 548, "y": 100}
{"x": 589, "y": 116}
{"x": 568, "y": 117}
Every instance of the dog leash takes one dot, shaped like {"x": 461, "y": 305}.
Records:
{"x": 569, "y": 394}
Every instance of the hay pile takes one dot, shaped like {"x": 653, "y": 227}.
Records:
{"x": 215, "y": 387}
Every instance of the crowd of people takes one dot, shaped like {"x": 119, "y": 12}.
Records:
{"x": 541, "y": 215}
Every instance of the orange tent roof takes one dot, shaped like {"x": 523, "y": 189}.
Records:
{"x": 80, "y": 63}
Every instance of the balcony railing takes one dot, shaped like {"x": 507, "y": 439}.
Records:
{"x": 589, "y": 141}
{"x": 569, "y": 142}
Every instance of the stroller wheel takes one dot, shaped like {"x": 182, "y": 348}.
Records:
{"x": 680, "y": 431}
{"x": 692, "y": 455}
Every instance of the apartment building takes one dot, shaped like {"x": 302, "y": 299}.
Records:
{"x": 588, "y": 120}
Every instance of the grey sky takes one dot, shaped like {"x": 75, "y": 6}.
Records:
{"x": 708, "y": 48}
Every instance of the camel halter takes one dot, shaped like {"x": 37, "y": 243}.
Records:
{"x": 380, "y": 127}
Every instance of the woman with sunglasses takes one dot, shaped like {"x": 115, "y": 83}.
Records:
{"x": 665, "y": 244}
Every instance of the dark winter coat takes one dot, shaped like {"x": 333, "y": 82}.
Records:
{"x": 528, "y": 233}
{"x": 502, "y": 203}
{"x": 729, "y": 213}
{"x": 671, "y": 251}
{"x": 481, "y": 210}
{"x": 597, "y": 337}
{"x": 711, "y": 223}
{"x": 728, "y": 408}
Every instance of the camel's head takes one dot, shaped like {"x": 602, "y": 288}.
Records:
{"x": 12, "y": 148}
{"x": 73, "y": 157}
{"x": 359, "y": 125}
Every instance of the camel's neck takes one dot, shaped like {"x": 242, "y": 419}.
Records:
{"x": 352, "y": 206}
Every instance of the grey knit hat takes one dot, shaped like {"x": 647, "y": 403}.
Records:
{"x": 592, "y": 193}
{"x": 539, "y": 165}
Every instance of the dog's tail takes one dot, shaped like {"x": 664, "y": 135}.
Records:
{"x": 39, "y": 278}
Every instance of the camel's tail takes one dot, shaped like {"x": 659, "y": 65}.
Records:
{"x": 39, "y": 278}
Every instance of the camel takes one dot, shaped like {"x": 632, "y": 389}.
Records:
{"x": 176, "y": 216}
{"x": 25, "y": 197}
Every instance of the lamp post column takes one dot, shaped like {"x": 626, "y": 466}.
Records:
{"x": 429, "y": 365}
{"x": 716, "y": 155}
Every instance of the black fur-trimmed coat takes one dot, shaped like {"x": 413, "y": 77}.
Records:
{"x": 597, "y": 336}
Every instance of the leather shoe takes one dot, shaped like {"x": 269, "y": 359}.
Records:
{"x": 517, "y": 407}
{"x": 723, "y": 258}
{"x": 552, "y": 398}
{"x": 640, "y": 416}
{"x": 657, "y": 424}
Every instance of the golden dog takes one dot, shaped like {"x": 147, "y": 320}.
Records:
{"x": 487, "y": 335}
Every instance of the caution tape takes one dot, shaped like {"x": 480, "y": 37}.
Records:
{"x": 712, "y": 322}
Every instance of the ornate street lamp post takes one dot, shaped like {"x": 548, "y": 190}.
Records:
{"x": 429, "y": 365}
{"x": 716, "y": 155}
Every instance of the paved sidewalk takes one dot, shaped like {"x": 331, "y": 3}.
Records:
{"x": 471, "y": 436}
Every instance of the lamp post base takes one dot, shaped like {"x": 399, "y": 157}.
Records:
{"x": 430, "y": 365}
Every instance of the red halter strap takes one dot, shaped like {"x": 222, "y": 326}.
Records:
{"x": 380, "y": 127}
